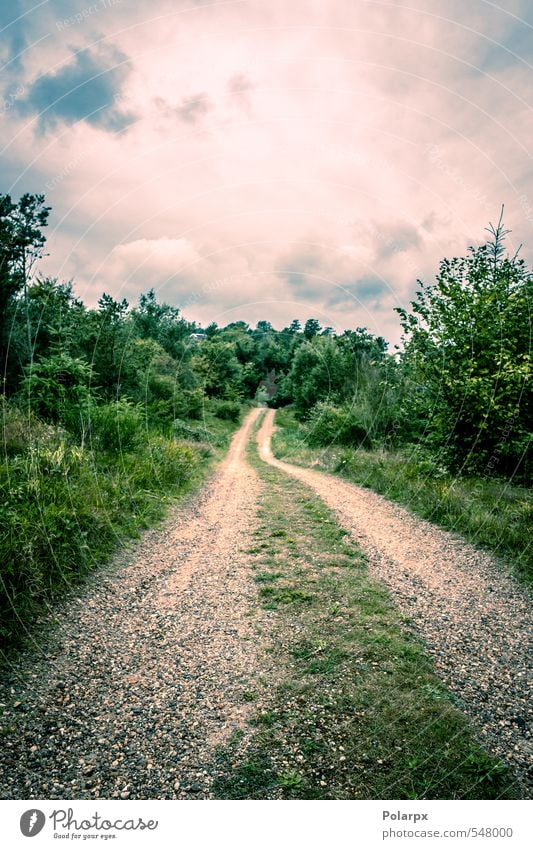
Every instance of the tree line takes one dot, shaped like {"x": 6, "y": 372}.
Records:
{"x": 109, "y": 411}
{"x": 459, "y": 385}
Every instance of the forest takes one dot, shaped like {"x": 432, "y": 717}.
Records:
{"x": 110, "y": 412}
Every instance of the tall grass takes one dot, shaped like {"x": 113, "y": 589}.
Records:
{"x": 65, "y": 507}
{"x": 489, "y": 512}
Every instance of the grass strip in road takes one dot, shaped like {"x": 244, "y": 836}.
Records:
{"x": 351, "y": 708}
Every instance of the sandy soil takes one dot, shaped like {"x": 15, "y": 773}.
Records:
{"x": 475, "y": 620}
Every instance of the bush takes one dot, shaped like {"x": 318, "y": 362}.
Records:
{"x": 187, "y": 431}
{"x": 227, "y": 410}
{"x": 468, "y": 353}
{"x": 20, "y": 429}
{"x": 116, "y": 426}
{"x": 189, "y": 403}
{"x": 67, "y": 508}
{"x": 57, "y": 388}
{"x": 327, "y": 424}
{"x": 164, "y": 464}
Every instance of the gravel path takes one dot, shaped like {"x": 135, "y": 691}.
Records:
{"x": 475, "y": 620}
{"x": 151, "y": 665}
{"x": 148, "y": 670}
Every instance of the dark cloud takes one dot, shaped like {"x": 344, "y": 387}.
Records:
{"x": 87, "y": 89}
{"x": 324, "y": 274}
{"x": 305, "y": 267}
{"x": 395, "y": 239}
{"x": 365, "y": 290}
{"x": 193, "y": 109}
{"x": 12, "y": 35}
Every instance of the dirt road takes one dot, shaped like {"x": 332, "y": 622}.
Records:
{"x": 151, "y": 665}
{"x": 475, "y": 620}
{"x": 148, "y": 670}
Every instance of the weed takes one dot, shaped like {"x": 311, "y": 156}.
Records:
{"x": 267, "y": 577}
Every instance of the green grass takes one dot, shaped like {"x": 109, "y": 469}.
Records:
{"x": 488, "y": 512}
{"x": 353, "y": 709}
{"x": 66, "y": 508}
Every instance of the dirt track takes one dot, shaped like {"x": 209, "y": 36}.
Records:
{"x": 148, "y": 671}
{"x": 149, "y": 666}
{"x": 476, "y": 621}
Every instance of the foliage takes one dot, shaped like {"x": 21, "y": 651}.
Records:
{"x": 197, "y": 433}
{"x": 111, "y": 401}
{"x": 116, "y": 426}
{"x": 67, "y": 507}
{"x": 329, "y": 424}
{"x": 21, "y": 245}
{"x": 218, "y": 369}
{"x": 489, "y": 512}
{"x": 57, "y": 388}
{"x": 312, "y": 328}
{"x": 228, "y": 410}
{"x": 468, "y": 355}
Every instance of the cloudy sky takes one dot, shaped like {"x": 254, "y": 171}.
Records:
{"x": 269, "y": 159}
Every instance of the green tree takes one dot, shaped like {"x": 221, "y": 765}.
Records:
{"x": 468, "y": 355}
{"x": 29, "y": 217}
{"x": 318, "y": 373}
{"x": 57, "y": 388}
{"x": 105, "y": 343}
{"x": 57, "y": 317}
{"x": 10, "y": 281}
{"x": 21, "y": 245}
{"x": 218, "y": 369}
{"x": 163, "y": 323}
{"x": 312, "y": 328}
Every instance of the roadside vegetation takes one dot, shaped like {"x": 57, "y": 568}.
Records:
{"x": 354, "y": 709}
{"x": 492, "y": 513}
{"x": 107, "y": 415}
{"x": 108, "y": 411}
{"x": 68, "y": 506}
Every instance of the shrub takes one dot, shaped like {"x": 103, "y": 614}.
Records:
{"x": 66, "y": 509}
{"x": 468, "y": 352}
{"x": 20, "y": 429}
{"x": 189, "y": 403}
{"x": 227, "y": 410}
{"x": 115, "y": 426}
{"x": 165, "y": 464}
{"x": 327, "y": 424}
{"x": 187, "y": 431}
{"x": 57, "y": 388}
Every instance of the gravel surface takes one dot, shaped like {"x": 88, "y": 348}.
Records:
{"x": 146, "y": 674}
{"x": 151, "y": 665}
{"x": 474, "y": 618}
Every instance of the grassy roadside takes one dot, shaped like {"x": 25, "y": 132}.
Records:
{"x": 487, "y": 512}
{"x": 66, "y": 508}
{"x": 352, "y": 709}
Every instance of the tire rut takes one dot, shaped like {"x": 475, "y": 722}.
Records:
{"x": 474, "y": 618}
